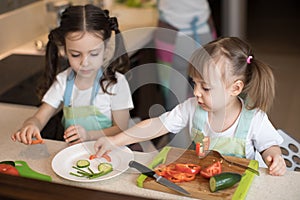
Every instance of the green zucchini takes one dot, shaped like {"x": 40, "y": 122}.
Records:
{"x": 223, "y": 181}
{"x": 105, "y": 168}
{"x": 82, "y": 163}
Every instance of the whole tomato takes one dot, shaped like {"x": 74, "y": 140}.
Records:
{"x": 9, "y": 169}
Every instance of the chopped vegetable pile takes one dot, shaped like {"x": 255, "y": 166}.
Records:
{"x": 84, "y": 170}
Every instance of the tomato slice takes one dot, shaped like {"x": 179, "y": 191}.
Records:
{"x": 215, "y": 168}
{"x": 8, "y": 169}
{"x": 188, "y": 168}
{"x": 92, "y": 156}
{"x": 105, "y": 156}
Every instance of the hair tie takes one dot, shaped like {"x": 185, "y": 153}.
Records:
{"x": 113, "y": 23}
{"x": 249, "y": 59}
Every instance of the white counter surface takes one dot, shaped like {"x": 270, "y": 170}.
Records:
{"x": 39, "y": 158}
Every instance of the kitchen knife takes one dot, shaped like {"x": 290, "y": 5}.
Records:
{"x": 148, "y": 172}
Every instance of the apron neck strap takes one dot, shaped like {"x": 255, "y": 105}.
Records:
{"x": 70, "y": 84}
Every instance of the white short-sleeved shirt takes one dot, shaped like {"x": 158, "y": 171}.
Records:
{"x": 261, "y": 135}
{"x": 180, "y": 13}
{"x": 121, "y": 98}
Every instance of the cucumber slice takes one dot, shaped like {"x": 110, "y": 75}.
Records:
{"x": 223, "y": 181}
{"x": 82, "y": 163}
{"x": 105, "y": 168}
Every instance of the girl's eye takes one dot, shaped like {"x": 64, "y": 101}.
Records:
{"x": 94, "y": 54}
{"x": 205, "y": 89}
{"x": 75, "y": 55}
{"x": 192, "y": 83}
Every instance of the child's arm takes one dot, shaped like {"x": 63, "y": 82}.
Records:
{"x": 145, "y": 130}
{"x": 33, "y": 125}
{"x": 274, "y": 160}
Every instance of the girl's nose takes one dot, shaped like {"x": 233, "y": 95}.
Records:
{"x": 197, "y": 92}
{"x": 84, "y": 61}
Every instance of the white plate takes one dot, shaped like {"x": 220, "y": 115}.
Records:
{"x": 64, "y": 160}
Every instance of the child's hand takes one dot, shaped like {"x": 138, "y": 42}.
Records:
{"x": 75, "y": 134}
{"x": 104, "y": 145}
{"x": 26, "y": 133}
{"x": 276, "y": 165}
{"x": 274, "y": 160}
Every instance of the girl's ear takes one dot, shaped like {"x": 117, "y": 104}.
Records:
{"x": 237, "y": 87}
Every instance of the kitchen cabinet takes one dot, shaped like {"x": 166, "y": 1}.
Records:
{"x": 20, "y": 76}
{"x": 9, "y": 5}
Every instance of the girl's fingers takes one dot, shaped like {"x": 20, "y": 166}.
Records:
{"x": 277, "y": 167}
{"x": 13, "y": 136}
{"x": 71, "y": 137}
{"x": 28, "y": 135}
{"x": 38, "y": 136}
{"x": 76, "y": 141}
{"x": 17, "y": 136}
{"x": 25, "y": 135}
{"x": 69, "y": 132}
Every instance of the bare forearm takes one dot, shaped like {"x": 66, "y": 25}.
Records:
{"x": 33, "y": 121}
{"x": 41, "y": 117}
{"x": 111, "y": 131}
{"x": 145, "y": 130}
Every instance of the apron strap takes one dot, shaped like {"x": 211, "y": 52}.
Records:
{"x": 244, "y": 123}
{"x": 70, "y": 84}
{"x": 199, "y": 118}
{"x": 69, "y": 88}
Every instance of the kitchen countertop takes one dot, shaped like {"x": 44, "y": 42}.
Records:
{"x": 39, "y": 158}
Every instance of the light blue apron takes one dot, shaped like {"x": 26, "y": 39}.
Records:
{"x": 235, "y": 146}
{"x": 89, "y": 116}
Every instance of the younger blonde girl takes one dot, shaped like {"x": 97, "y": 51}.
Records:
{"x": 233, "y": 91}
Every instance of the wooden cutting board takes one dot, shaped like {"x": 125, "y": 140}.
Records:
{"x": 199, "y": 188}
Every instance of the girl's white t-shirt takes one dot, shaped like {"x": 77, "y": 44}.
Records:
{"x": 261, "y": 135}
{"x": 121, "y": 98}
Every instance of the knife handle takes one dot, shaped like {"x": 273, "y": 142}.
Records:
{"x": 142, "y": 168}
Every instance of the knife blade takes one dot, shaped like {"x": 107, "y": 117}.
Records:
{"x": 159, "y": 179}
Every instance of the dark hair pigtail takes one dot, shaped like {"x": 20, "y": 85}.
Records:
{"x": 51, "y": 65}
{"x": 120, "y": 60}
